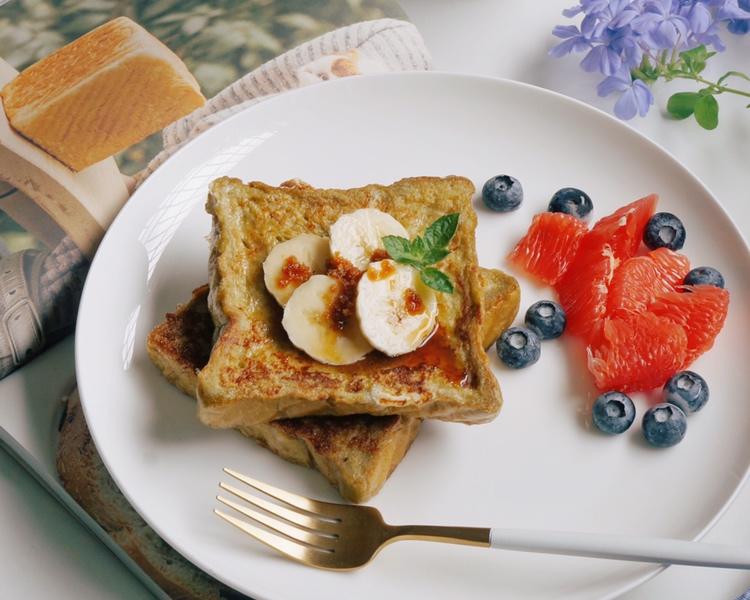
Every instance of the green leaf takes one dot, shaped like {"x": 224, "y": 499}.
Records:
{"x": 707, "y": 112}
{"x": 695, "y": 59}
{"x": 440, "y": 233}
{"x": 436, "y": 279}
{"x": 682, "y": 104}
{"x": 400, "y": 250}
{"x": 418, "y": 247}
{"x": 434, "y": 255}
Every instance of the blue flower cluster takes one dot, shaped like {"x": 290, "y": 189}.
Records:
{"x": 621, "y": 37}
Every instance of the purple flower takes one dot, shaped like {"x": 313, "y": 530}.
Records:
{"x": 586, "y": 7}
{"x": 618, "y": 36}
{"x": 731, "y": 9}
{"x": 603, "y": 59}
{"x": 635, "y": 96}
{"x": 738, "y": 26}
{"x": 698, "y": 15}
{"x": 660, "y": 27}
{"x": 625, "y": 42}
{"x": 574, "y": 41}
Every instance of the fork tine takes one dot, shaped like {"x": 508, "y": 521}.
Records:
{"x": 318, "y": 525}
{"x": 327, "y": 509}
{"x": 290, "y": 531}
{"x": 278, "y": 543}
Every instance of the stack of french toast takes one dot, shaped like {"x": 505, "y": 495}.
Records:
{"x": 252, "y": 350}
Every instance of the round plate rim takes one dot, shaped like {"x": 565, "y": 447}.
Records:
{"x": 86, "y": 296}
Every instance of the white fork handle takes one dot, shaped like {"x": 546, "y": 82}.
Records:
{"x": 622, "y": 547}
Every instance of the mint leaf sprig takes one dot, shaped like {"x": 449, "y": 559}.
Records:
{"x": 421, "y": 252}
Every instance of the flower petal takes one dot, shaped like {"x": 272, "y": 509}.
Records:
{"x": 700, "y": 18}
{"x": 588, "y": 25}
{"x": 603, "y": 59}
{"x": 563, "y": 48}
{"x": 572, "y": 11}
{"x": 565, "y": 31}
{"x": 643, "y": 97}
{"x": 738, "y": 26}
{"x": 610, "y": 85}
{"x": 626, "y": 106}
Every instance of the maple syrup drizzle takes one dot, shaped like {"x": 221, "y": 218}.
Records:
{"x": 293, "y": 273}
{"x": 435, "y": 352}
{"x": 413, "y": 302}
{"x": 379, "y": 254}
{"x": 386, "y": 269}
{"x": 342, "y": 306}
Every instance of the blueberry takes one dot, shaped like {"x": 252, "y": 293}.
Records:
{"x": 518, "y": 347}
{"x": 664, "y": 425}
{"x": 688, "y": 390}
{"x": 571, "y": 201}
{"x": 502, "y": 193}
{"x": 546, "y": 319}
{"x": 613, "y": 412}
{"x": 704, "y": 276}
{"x": 664, "y": 230}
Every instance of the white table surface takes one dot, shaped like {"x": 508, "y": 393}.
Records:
{"x": 45, "y": 553}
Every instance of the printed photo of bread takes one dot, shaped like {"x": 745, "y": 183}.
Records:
{"x": 100, "y": 94}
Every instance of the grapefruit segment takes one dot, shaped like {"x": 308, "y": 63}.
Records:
{"x": 636, "y": 353}
{"x": 700, "y": 310}
{"x": 639, "y": 280}
{"x": 584, "y": 286}
{"x": 672, "y": 265}
{"x": 583, "y": 294}
{"x": 623, "y": 229}
{"x": 548, "y": 246}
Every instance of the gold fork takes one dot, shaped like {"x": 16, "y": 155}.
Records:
{"x": 342, "y": 536}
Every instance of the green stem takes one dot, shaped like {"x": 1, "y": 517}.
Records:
{"x": 719, "y": 89}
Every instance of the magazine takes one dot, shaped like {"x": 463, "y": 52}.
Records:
{"x": 45, "y": 245}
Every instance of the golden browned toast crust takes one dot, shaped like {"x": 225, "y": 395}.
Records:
{"x": 355, "y": 453}
{"x": 501, "y": 298}
{"x": 255, "y": 375}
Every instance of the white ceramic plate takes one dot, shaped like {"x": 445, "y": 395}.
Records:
{"x": 538, "y": 465}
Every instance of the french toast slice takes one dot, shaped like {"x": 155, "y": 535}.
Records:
{"x": 355, "y": 453}
{"x": 255, "y": 375}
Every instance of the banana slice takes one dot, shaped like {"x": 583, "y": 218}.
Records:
{"x": 357, "y": 235}
{"x": 397, "y": 312}
{"x": 319, "y": 319}
{"x": 291, "y": 263}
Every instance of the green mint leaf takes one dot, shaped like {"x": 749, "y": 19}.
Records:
{"x": 436, "y": 279}
{"x": 707, "y": 112}
{"x": 682, "y": 104}
{"x": 418, "y": 247}
{"x": 440, "y": 233}
{"x": 401, "y": 250}
{"x": 434, "y": 255}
